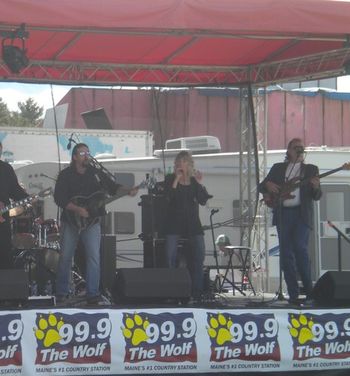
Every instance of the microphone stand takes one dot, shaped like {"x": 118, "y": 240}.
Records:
{"x": 48, "y": 177}
{"x": 99, "y": 166}
{"x": 279, "y": 293}
{"x": 340, "y": 235}
{"x": 217, "y": 282}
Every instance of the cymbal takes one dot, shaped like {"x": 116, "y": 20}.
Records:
{"x": 16, "y": 211}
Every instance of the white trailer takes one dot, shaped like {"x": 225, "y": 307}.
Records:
{"x": 40, "y": 144}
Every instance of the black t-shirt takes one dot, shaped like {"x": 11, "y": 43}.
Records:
{"x": 9, "y": 187}
{"x": 182, "y": 214}
{"x": 71, "y": 184}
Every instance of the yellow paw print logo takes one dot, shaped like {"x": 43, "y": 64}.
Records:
{"x": 219, "y": 328}
{"x": 135, "y": 329}
{"x": 301, "y": 328}
{"x": 48, "y": 330}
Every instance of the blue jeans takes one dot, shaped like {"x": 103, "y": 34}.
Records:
{"x": 293, "y": 238}
{"x": 91, "y": 239}
{"x": 195, "y": 253}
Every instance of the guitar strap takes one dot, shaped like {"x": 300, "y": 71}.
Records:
{"x": 293, "y": 171}
{"x": 302, "y": 170}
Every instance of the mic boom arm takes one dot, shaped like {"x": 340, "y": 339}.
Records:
{"x": 99, "y": 166}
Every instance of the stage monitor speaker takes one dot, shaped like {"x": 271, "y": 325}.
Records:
{"x": 108, "y": 261}
{"x": 147, "y": 285}
{"x": 333, "y": 289}
{"x": 14, "y": 284}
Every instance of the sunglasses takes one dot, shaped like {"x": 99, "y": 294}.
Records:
{"x": 82, "y": 153}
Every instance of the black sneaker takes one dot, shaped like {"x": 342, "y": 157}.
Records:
{"x": 61, "y": 299}
{"x": 294, "y": 301}
{"x": 309, "y": 300}
{"x": 98, "y": 300}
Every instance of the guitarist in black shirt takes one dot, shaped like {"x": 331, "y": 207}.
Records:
{"x": 293, "y": 213}
{"x": 80, "y": 219}
{"x": 9, "y": 189}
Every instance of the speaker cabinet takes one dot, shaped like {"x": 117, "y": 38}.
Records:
{"x": 147, "y": 285}
{"x": 333, "y": 289}
{"x": 14, "y": 284}
{"x": 108, "y": 261}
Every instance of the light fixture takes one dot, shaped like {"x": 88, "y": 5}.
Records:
{"x": 13, "y": 49}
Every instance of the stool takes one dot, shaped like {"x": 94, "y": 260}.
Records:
{"x": 242, "y": 254}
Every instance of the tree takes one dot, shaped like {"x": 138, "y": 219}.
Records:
{"x": 30, "y": 114}
{"x": 5, "y": 114}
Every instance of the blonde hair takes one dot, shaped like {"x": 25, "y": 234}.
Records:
{"x": 185, "y": 156}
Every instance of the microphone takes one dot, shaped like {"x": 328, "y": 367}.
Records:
{"x": 93, "y": 163}
{"x": 47, "y": 176}
{"x": 299, "y": 150}
{"x": 70, "y": 139}
{"x": 213, "y": 211}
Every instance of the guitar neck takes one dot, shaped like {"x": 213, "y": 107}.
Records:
{"x": 330, "y": 172}
{"x": 124, "y": 191}
{"x": 16, "y": 204}
{"x": 45, "y": 192}
{"x": 301, "y": 182}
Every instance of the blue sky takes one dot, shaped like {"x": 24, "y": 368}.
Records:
{"x": 12, "y": 93}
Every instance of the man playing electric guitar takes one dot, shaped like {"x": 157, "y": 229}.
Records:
{"x": 9, "y": 189}
{"x": 81, "y": 178}
{"x": 293, "y": 214}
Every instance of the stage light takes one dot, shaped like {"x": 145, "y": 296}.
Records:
{"x": 13, "y": 48}
{"x": 14, "y": 57}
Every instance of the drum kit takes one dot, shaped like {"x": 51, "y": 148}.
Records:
{"x": 36, "y": 248}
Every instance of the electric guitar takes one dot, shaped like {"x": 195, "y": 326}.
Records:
{"x": 96, "y": 201}
{"x": 273, "y": 199}
{"x": 24, "y": 201}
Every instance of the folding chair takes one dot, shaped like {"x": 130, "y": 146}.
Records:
{"x": 239, "y": 258}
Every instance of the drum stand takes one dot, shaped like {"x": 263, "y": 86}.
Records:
{"x": 28, "y": 260}
{"x": 77, "y": 281}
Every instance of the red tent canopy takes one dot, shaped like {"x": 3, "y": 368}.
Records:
{"x": 177, "y": 42}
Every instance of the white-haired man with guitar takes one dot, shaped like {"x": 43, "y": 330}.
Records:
{"x": 80, "y": 191}
{"x": 9, "y": 189}
{"x": 290, "y": 189}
